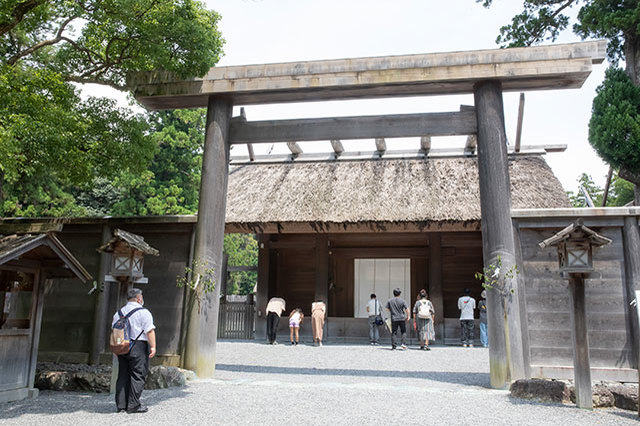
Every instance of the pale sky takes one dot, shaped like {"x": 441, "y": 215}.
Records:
{"x": 266, "y": 31}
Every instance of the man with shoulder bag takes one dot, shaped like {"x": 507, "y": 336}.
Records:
{"x": 375, "y": 319}
{"x": 135, "y": 323}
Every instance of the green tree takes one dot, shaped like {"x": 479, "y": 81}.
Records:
{"x": 242, "y": 250}
{"x": 171, "y": 183}
{"x": 48, "y": 133}
{"x": 613, "y": 130}
{"x": 620, "y": 192}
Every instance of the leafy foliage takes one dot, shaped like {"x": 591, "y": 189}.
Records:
{"x": 171, "y": 183}
{"x": 620, "y": 192}
{"x": 60, "y": 153}
{"x": 243, "y": 251}
{"x": 614, "y": 128}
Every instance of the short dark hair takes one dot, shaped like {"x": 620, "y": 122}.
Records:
{"x": 422, "y": 294}
{"x": 373, "y": 295}
{"x": 467, "y": 291}
{"x": 397, "y": 292}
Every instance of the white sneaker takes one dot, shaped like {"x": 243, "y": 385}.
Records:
{"x": 403, "y": 347}
{"x": 320, "y": 344}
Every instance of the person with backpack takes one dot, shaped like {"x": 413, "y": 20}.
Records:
{"x": 423, "y": 312}
{"x": 466, "y": 305}
{"x": 135, "y": 323}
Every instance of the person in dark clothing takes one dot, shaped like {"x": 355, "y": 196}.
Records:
{"x": 399, "y": 311}
{"x": 133, "y": 367}
{"x": 274, "y": 309}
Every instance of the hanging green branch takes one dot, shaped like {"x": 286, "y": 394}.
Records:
{"x": 198, "y": 282}
{"x": 494, "y": 277}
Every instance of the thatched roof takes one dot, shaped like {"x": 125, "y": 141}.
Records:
{"x": 434, "y": 190}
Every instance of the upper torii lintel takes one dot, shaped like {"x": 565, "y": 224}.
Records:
{"x": 560, "y": 66}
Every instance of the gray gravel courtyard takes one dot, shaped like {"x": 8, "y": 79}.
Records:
{"x": 336, "y": 384}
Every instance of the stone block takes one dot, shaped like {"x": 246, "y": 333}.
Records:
{"x": 541, "y": 390}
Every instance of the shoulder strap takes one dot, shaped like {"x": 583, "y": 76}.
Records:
{"x": 133, "y": 311}
{"x": 120, "y": 313}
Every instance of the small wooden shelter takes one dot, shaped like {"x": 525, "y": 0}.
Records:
{"x": 127, "y": 256}
{"x": 26, "y": 262}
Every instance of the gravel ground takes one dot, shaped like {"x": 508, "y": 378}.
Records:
{"x": 336, "y": 384}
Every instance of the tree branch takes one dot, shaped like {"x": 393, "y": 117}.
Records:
{"x": 87, "y": 80}
{"x": 15, "y": 58}
{"x": 537, "y": 36}
{"x": 18, "y": 13}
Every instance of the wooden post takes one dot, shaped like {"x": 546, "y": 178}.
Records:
{"x": 322, "y": 268}
{"x": 202, "y": 330}
{"x": 262, "y": 295}
{"x": 581, "y": 367}
{"x": 101, "y": 318}
{"x": 505, "y": 334}
{"x": 435, "y": 282}
{"x": 631, "y": 244}
{"x": 224, "y": 276}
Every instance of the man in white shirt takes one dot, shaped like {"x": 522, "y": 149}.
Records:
{"x": 374, "y": 309}
{"x": 467, "y": 305}
{"x": 133, "y": 367}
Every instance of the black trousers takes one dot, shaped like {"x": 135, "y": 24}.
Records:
{"x": 132, "y": 374}
{"x": 272, "y": 326}
{"x": 395, "y": 326}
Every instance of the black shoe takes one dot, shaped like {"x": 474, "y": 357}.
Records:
{"x": 428, "y": 348}
{"x": 139, "y": 409}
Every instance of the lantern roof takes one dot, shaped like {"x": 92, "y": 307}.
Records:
{"x": 134, "y": 241}
{"x": 575, "y": 231}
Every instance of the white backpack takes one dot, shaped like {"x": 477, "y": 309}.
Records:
{"x": 424, "y": 310}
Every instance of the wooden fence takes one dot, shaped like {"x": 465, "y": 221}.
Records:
{"x": 236, "y": 317}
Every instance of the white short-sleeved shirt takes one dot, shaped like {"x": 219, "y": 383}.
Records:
{"x": 141, "y": 320}
{"x": 374, "y": 307}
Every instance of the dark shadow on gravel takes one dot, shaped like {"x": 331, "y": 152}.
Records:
{"x": 52, "y": 402}
{"x": 465, "y": 378}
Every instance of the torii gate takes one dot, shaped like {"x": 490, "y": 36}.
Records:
{"x": 485, "y": 73}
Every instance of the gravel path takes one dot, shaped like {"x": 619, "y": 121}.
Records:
{"x": 335, "y": 384}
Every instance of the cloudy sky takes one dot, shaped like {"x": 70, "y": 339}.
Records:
{"x": 264, "y": 31}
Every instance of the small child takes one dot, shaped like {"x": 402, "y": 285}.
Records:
{"x": 295, "y": 320}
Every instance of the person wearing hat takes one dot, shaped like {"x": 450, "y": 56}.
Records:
{"x": 133, "y": 367}
{"x": 467, "y": 305}
{"x": 482, "y": 308}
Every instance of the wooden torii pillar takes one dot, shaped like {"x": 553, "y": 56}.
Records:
{"x": 505, "y": 330}
{"x": 202, "y": 328}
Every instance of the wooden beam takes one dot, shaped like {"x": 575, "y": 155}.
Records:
{"x": 294, "y": 148}
{"x": 29, "y": 228}
{"x": 262, "y": 293}
{"x": 365, "y": 127}
{"x": 337, "y": 146}
{"x": 425, "y": 144}
{"x": 202, "y": 330}
{"x": 631, "y": 245}
{"x": 606, "y": 187}
{"x": 381, "y": 145}
{"x": 435, "y": 282}
{"x": 518, "y": 69}
{"x": 581, "y": 363}
{"x": 322, "y": 269}
{"x": 101, "y": 310}
{"x": 505, "y": 352}
{"x": 520, "y": 117}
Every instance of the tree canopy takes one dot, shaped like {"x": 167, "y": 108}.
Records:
{"x": 613, "y": 127}
{"x": 51, "y": 138}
